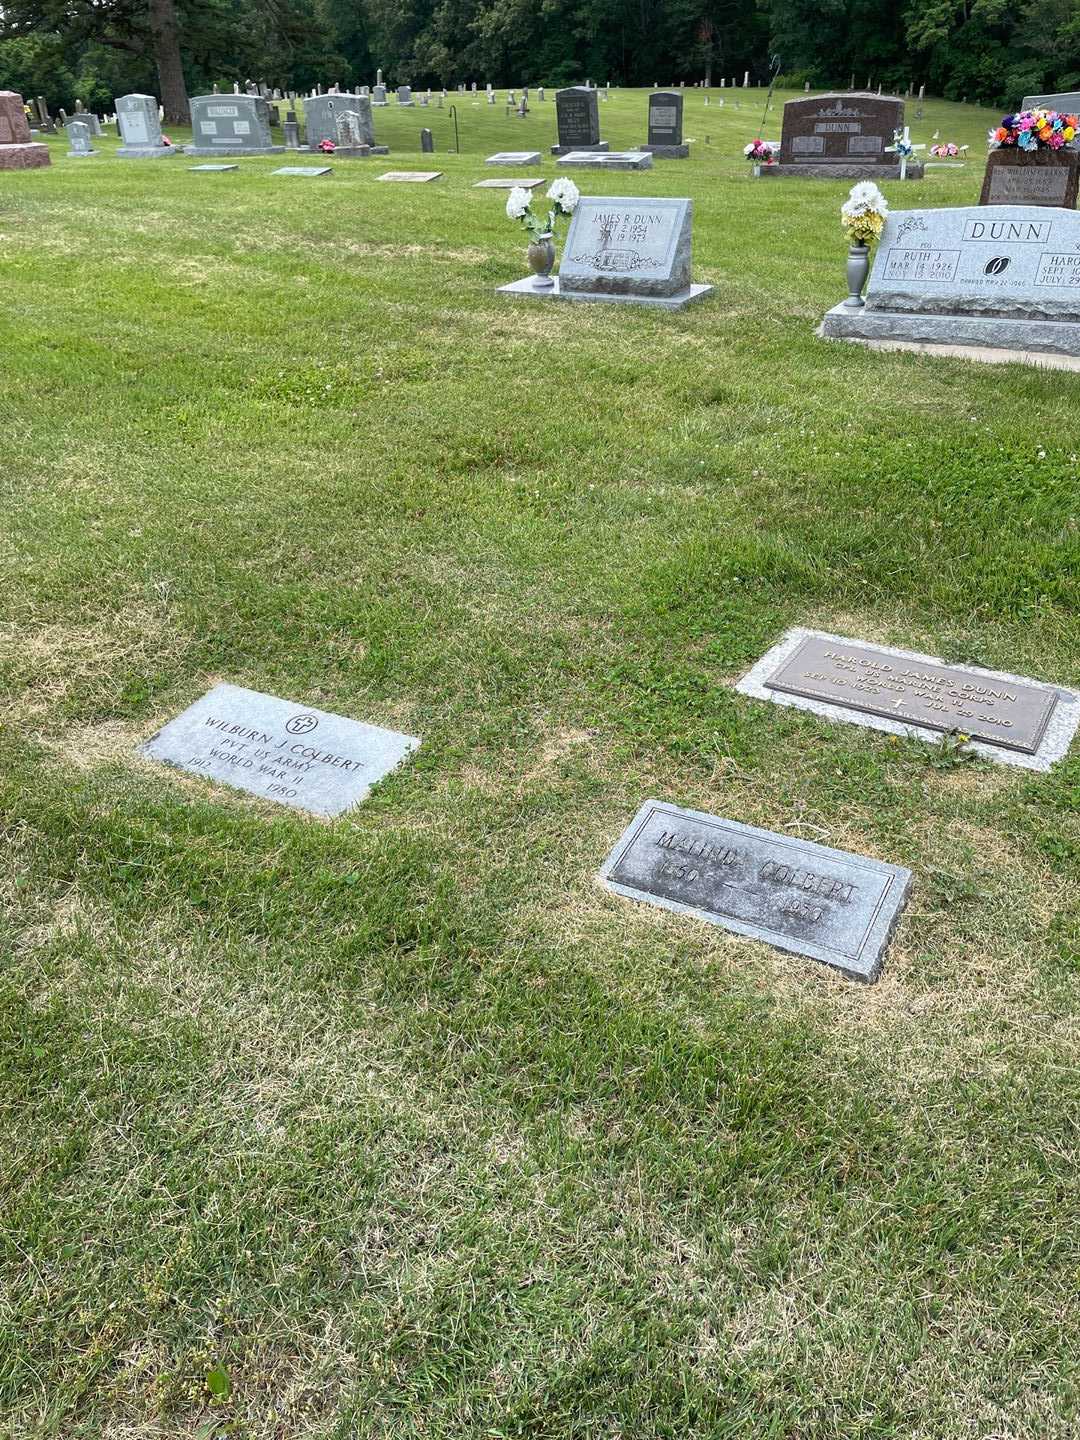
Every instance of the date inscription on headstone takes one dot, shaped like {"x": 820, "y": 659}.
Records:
{"x": 939, "y": 697}
{"x": 294, "y": 754}
{"x": 802, "y": 897}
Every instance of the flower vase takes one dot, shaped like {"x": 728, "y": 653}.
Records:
{"x": 757, "y": 172}
{"x": 541, "y": 257}
{"x": 858, "y": 268}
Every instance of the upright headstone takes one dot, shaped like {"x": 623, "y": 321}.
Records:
{"x": 140, "y": 129}
{"x": 540, "y": 93}
{"x": 292, "y": 131}
{"x": 841, "y": 137}
{"x": 322, "y": 113}
{"x": 17, "y": 150}
{"x": 1067, "y": 102}
{"x": 44, "y": 121}
{"x": 378, "y": 95}
{"x": 1002, "y": 278}
{"x": 666, "y": 125}
{"x": 404, "y": 95}
{"x": 577, "y": 115}
{"x": 427, "y": 142}
{"x": 1031, "y": 177}
{"x": 625, "y": 250}
{"x": 236, "y": 125}
{"x": 78, "y": 134}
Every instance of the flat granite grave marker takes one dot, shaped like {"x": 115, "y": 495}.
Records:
{"x": 625, "y": 249}
{"x": 611, "y": 160}
{"x": 1037, "y": 177}
{"x": 577, "y": 114}
{"x": 306, "y": 172}
{"x": 796, "y": 895}
{"x": 1006, "y": 277}
{"x": 17, "y": 150}
{"x": 841, "y": 137}
{"x": 296, "y": 755}
{"x": 140, "y": 129}
{"x": 404, "y": 176}
{"x": 508, "y": 184}
{"x": 514, "y": 157}
{"x": 231, "y": 125}
{"x": 1009, "y": 718}
{"x": 666, "y": 125}
{"x": 211, "y": 169}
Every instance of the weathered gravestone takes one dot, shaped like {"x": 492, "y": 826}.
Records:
{"x": 378, "y": 95}
{"x": 665, "y": 125}
{"x": 608, "y": 160}
{"x": 17, "y": 150}
{"x": 427, "y": 142}
{"x": 295, "y": 755}
{"x": 78, "y": 134}
{"x": 841, "y": 137}
{"x": 1034, "y": 177}
{"x": 1008, "y": 718}
{"x": 1006, "y": 277}
{"x": 794, "y": 894}
{"x": 577, "y": 115}
{"x": 1066, "y": 102}
{"x": 625, "y": 250}
{"x": 140, "y": 129}
{"x": 231, "y": 125}
{"x": 404, "y": 96}
{"x": 323, "y": 116}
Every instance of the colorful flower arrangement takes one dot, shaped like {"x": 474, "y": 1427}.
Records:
{"x": 864, "y": 212}
{"x": 327, "y": 147}
{"x": 564, "y": 196}
{"x": 945, "y": 151}
{"x": 1036, "y": 129}
{"x": 760, "y": 152}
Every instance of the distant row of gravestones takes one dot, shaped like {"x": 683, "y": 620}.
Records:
{"x": 830, "y": 905}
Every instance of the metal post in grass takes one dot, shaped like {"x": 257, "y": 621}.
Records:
{"x": 774, "y": 70}
{"x": 457, "y": 138}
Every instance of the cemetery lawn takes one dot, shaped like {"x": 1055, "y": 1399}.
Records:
{"x": 402, "y": 1120}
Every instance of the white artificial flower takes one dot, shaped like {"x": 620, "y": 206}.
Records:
{"x": 565, "y": 194}
{"x": 865, "y": 198}
{"x": 517, "y": 202}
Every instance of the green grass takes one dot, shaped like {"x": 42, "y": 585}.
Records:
{"x": 403, "y": 1120}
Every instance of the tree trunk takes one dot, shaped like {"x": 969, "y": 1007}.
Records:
{"x": 165, "y": 37}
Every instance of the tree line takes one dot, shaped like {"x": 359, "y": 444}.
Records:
{"x": 980, "y": 50}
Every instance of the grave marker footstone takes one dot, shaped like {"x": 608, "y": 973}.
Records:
{"x": 17, "y": 150}
{"x": 796, "y": 895}
{"x": 514, "y": 157}
{"x": 508, "y": 184}
{"x": 841, "y": 137}
{"x": 577, "y": 115}
{"x": 140, "y": 129}
{"x": 404, "y": 177}
{"x": 211, "y": 169}
{"x": 1011, "y": 719}
{"x": 666, "y": 125}
{"x": 233, "y": 125}
{"x": 295, "y": 755}
{"x": 625, "y": 250}
{"x": 304, "y": 172}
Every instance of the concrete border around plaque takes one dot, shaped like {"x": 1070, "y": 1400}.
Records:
{"x": 798, "y": 896}
{"x": 294, "y": 755}
{"x": 1044, "y": 718}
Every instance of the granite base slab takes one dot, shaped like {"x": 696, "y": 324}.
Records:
{"x": 616, "y": 160}
{"x": 234, "y": 150}
{"x": 1056, "y": 738}
{"x": 569, "y": 149}
{"x": 514, "y": 157}
{"x": 24, "y": 157}
{"x": 799, "y": 896}
{"x": 668, "y": 152}
{"x": 785, "y": 170}
{"x": 658, "y": 302}
{"x": 1060, "y": 337}
{"x": 346, "y": 152}
{"x": 148, "y": 152}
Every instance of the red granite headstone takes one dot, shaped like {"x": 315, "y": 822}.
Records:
{"x": 17, "y": 150}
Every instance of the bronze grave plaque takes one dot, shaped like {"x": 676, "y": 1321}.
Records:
{"x": 938, "y": 697}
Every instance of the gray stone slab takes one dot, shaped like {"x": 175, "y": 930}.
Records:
{"x": 321, "y": 114}
{"x": 796, "y": 895}
{"x": 628, "y": 245}
{"x": 925, "y": 681}
{"x": 1025, "y": 340}
{"x": 292, "y": 754}
{"x": 211, "y": 169}
{"x": 525, "y": 288}
{"x": 514, "y": 157}
{"x": 306, "y": 172}
{"x": 668, "y": 152}
{"x": 508, "y": 183}
{"x": 405, "y": 176}
{"x": 839, "y": 171}
{"x": 1066, "y": 101}
{"x": 599, "y": 148}
{"x": 231, "y": 125}
{"x": 613, "y": 160}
